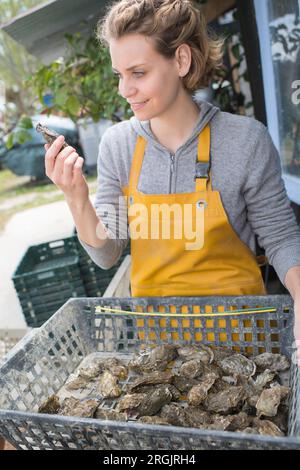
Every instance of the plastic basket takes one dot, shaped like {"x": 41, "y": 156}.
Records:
{"x": 47, "y": 276}
{"x": 40, "y": 364}
{"x": 94, "y": 278}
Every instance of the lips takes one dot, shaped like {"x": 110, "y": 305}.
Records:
{"x": 135, "y": 107}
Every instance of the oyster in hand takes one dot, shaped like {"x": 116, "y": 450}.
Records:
{"x": 148, "y": 360}
{"x": 108, "y": 385}
{"x": 49, "y": 135}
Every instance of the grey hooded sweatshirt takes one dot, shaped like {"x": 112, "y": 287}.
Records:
{"x": 245, "y": 169}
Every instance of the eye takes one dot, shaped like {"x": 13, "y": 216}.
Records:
{"x": 134, "y": 73}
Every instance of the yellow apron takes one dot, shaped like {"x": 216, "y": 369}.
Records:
{"x": 207, "y": 259}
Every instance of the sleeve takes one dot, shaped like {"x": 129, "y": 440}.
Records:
{"x": 110, "y": 206}
{"x": 269, "y": 210}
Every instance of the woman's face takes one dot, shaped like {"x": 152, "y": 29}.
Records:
{"x": 153, "y": 79}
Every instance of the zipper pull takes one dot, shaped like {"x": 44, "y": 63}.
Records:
{"x": 172, "y": 161}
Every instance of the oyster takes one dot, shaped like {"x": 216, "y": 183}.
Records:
{"x": 103, "y": 413}
{"x": 198, "y": 393}
{"x": 157, "y": 358}
{"x": 108, "y": 385}
{"x": 226, "y": 401}
{"x": 237, "y": 364}
{"x": 263, "y": 379}
{"x": 153, "y": 420}
{"x": 240, "y": 421}
{"x": 76, "y": 383}
{"x": 268, "y": 402}
{"x": 83, "y": 408}
{"x": 200, "y": 351}
{"x": 273, "y": 362}
{"x": 197, "y": 417}
{"x": 221, "y": 352}
{"x": 175, "y": 414}
{"x": 267, "y": 428}
{"x": 220, "y": 422}
{"x": 147, "y": 404}
{"x": 91, "y": 371}
{"x": 153, "y": 378}
{"x": 116, "y": 367}
{"x": 49, "y": 135}
{"x": 192, "y": 368}
{"x": 184, "y": 384}
{"x": 50, "y": 406}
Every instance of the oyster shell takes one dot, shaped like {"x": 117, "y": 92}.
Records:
{"x": 237, "y": 364}
{"x": 103, "y": 413}
{"x": 83, "y": 408}
{"x": 108, "y": 385}
{"x": 154, "y": 420}
{"x": 148, "y": 360}
{"x": 268, "y": 402}
{"x": 200, "y": 351}
{"x": 240, "y": 421}
{"x": 76, "y": 383}
{"x": 175, "y": 414}
{"x": 199, "y": 392}
{"x": 193, "y": 368}
{"x": 147, "y": 404}
{"x": 184, "y": 384}
{"x": 273, "y": 362}
{"x": 51, "y": 406}
{"x": 226, "y": 401}
{"x": 48, "y": 134}
{"x": 220, "y": 422}
{"x": 116, "y": 367}
{"x": 92, "y": 370}
{"x": 153, "y": 378}
{"x": 263, "y": 379}
{"x": 197, "y": 417}
{"x": 267, "y": 428}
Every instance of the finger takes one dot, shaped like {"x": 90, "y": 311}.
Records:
{"x": 60, "y": 160}
{"x": 52, "y": 153}
{"x": 68, "y": 167}
{"x": 77, "y": 173}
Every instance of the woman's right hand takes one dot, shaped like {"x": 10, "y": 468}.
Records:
{"x": 64, "y": 168}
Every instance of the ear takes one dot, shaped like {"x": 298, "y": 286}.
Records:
{"x": 183, "y": 57}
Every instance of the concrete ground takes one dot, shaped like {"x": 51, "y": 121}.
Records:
{"x": 38, "y": 225}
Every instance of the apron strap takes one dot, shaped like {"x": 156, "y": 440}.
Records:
{"x": 137, "y": 162}
{"x": 203, "y": 163}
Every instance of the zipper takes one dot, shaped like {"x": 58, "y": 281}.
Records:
{"x": 172, "y": 156}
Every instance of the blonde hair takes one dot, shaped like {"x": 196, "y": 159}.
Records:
{"x": 169, "y": 23}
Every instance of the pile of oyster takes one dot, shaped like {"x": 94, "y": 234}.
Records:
{"x": 195, "y": 386}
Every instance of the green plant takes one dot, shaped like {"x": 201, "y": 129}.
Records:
{"x": 81, "y": 85}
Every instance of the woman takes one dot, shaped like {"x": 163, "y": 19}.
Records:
{"x": 213, "y": 178}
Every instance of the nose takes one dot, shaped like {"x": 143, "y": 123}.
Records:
{"x": 126, "y": 89}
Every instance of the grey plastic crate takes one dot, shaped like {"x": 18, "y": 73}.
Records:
{"x": 40, "y": 363}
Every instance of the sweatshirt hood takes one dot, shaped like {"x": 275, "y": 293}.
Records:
{"x": 206, "y": 112}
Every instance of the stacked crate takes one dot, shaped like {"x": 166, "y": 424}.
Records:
{"x": 51, "y": 273}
